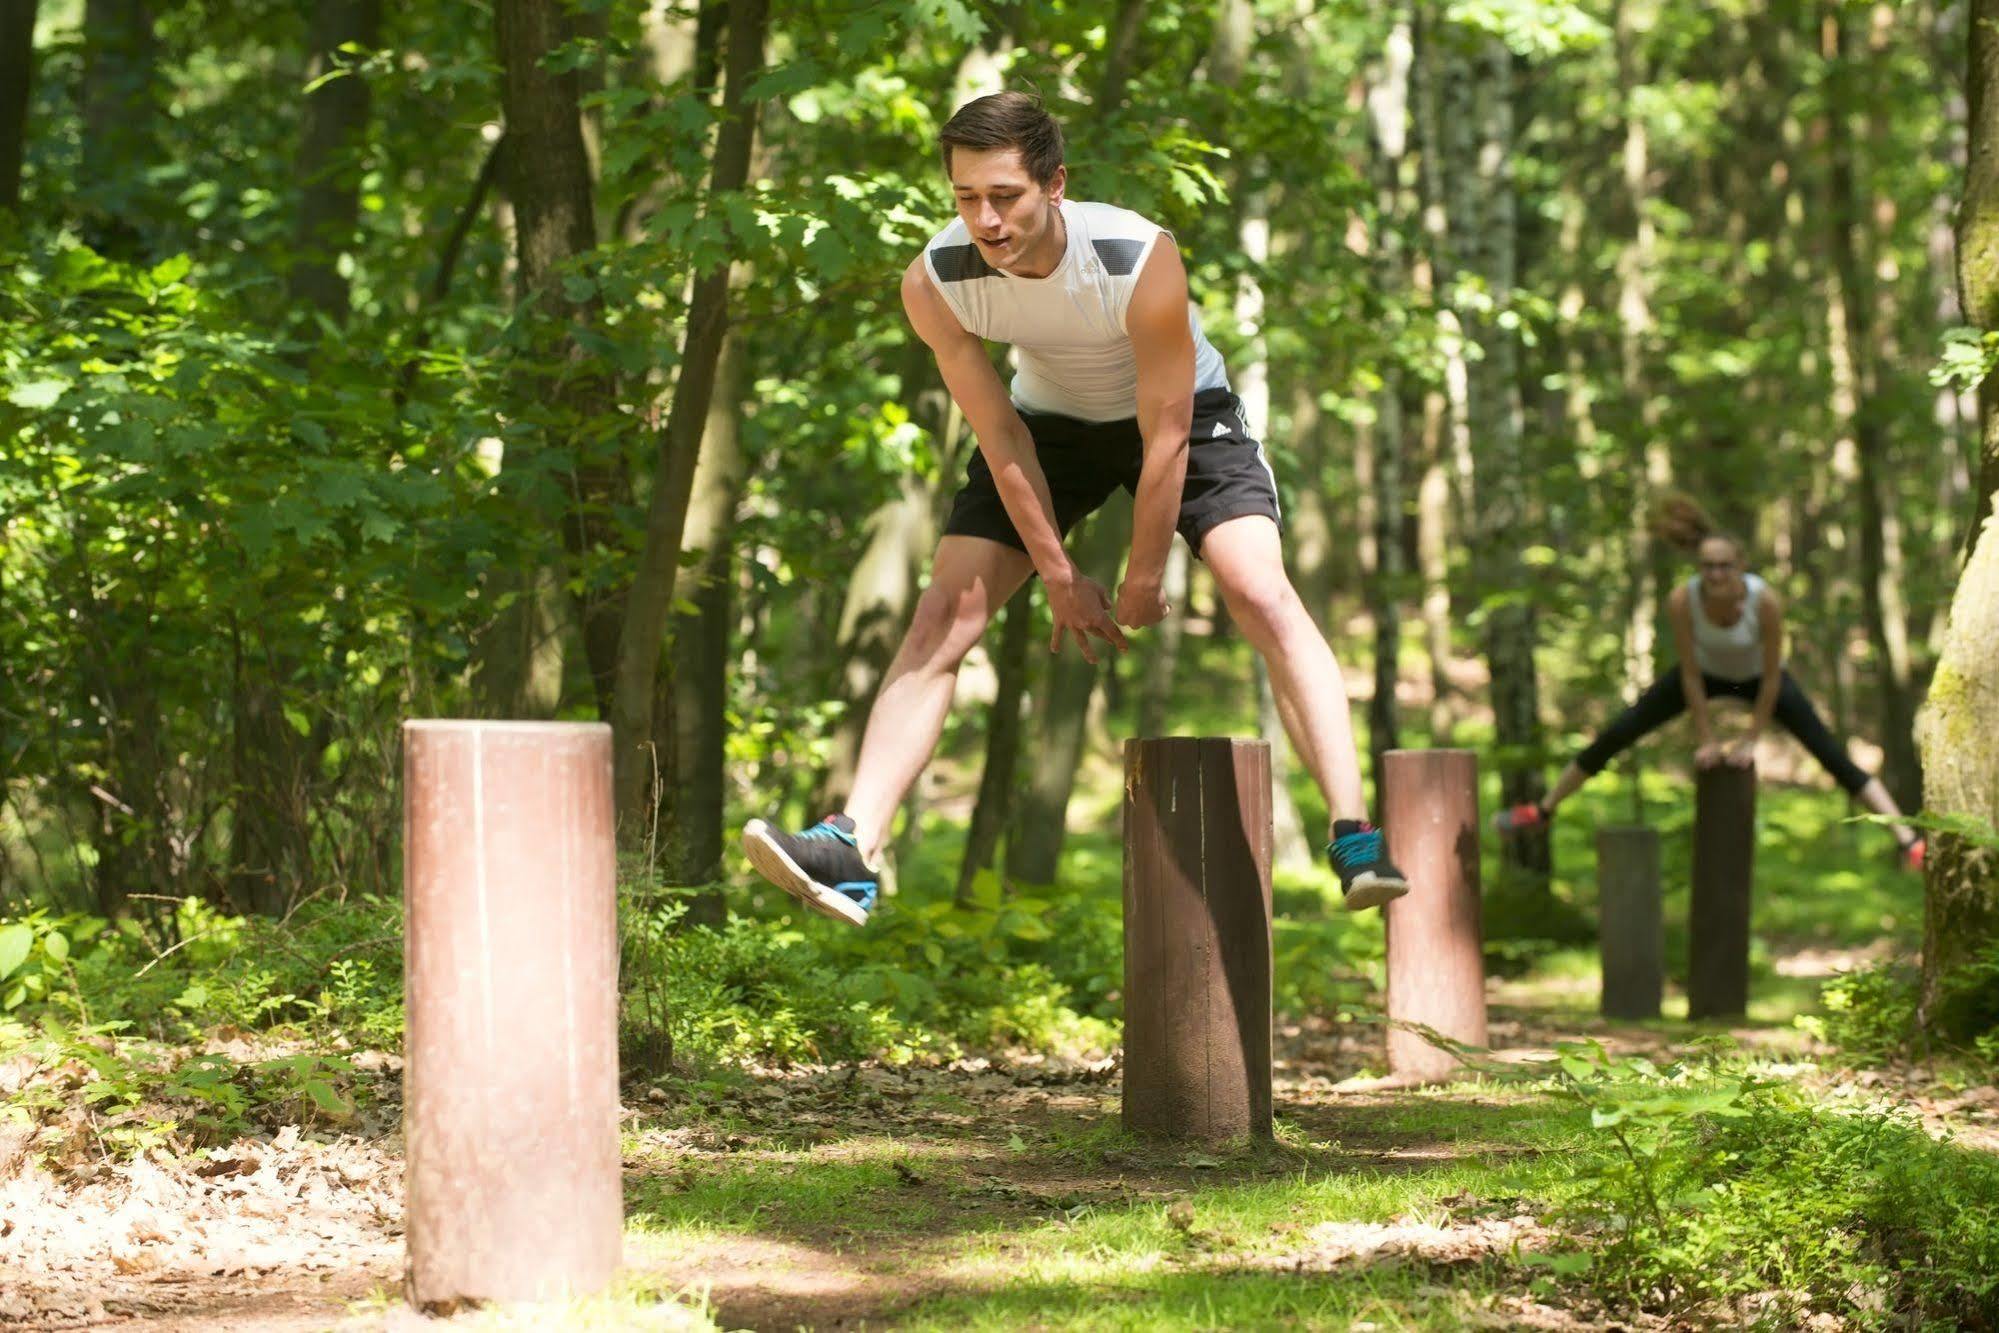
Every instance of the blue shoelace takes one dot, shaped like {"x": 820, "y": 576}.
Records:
{"x": 825, "y": 831}
{"x": 1357, "y": 849}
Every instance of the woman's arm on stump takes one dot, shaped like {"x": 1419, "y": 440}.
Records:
{"x": 1772, "y": 630}
{"x": 1682, "y": 618}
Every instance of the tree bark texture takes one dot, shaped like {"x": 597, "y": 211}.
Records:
{"x": 691, "y": 713}
{"x": 549, "y": 184}
{"x": 330, "y": 157}
{"x": 1959, "y": 725}
{"x": 17, "y": 71}
{"x": 996, "y": 780}
{"x": 121, "y": 114}
{"x": 652, "y": 587}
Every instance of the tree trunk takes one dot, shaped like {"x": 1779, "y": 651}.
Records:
{"x": 1481, "y": 174}
{"x": 995, "y": 798}
{"x": 691, "y": 713}
{"x": 1228, "y": 57}
{"x": 886, "y": 582}
{"x": 1959, "y": 725}
{"x": 1445, "y": 431}
{"x": 17, "y": 71}
{"x": 549, "y": 184}
{"x": 121, "y": 112}
{"x": 1389, "y": 123}
{"x": 1155, "y": 682}
{"x": 1646, "y": 571}
{"x": 1040, "y": 826}
{"x": 680, "y": 442}
{"x": 1859, "y": 409}
{"x": 329, "y": 162}
{"x": 276, "y": 773}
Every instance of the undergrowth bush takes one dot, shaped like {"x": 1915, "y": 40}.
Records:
{"x": 1870, "y": 1013}
{"x": 192, "y": 1026}
{"x": 926, "y": 978}
{"x": 1723, "y": 1189}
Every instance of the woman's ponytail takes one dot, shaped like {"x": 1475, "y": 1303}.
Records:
{"x": 1680, "y": 522}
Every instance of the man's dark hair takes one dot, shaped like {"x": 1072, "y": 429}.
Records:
{"x": 1007, "y": 120}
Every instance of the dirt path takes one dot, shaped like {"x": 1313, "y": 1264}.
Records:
{"x": 298, "y": 1231}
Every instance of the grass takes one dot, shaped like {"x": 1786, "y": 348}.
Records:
{"x": 1083, "y": 1227}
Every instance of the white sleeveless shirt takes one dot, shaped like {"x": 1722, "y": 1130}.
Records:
{"x": 1068, "y": 329}
{"x": 1729, "y": 652}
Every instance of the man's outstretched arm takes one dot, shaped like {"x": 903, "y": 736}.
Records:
{"x": 1163, "y": 344}
{"x": 1079, "y": 604}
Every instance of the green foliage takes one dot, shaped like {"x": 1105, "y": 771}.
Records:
{"x": 1728, "y": 1190}
{"x": 933, "y": 978}
{"x": 1871, "y": 1013}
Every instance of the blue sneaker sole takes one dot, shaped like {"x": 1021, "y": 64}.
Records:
{"x": 773, "y": 864}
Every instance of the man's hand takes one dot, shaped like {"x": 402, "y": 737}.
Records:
{"x": 1140, "y": 602}
{"x": 1742, "y": 754}
{"x": 1709, "y": 754}
{"x": 1081, "y": 607}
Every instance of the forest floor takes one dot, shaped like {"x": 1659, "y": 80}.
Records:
{"x": 987, "y": 1193}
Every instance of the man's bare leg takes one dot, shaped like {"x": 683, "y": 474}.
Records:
{"x": 1247, "y": 560}
{"x": 970, "y": 580}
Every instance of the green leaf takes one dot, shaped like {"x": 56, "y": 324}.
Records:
{"x": 56, "y": 945}
{"x": 14, "y": 998}
{"x": 327, "y": 1099}
{"x": 15, "y": 942}
{"x": 37, "y": 394}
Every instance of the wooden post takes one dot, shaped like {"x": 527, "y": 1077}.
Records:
{"x": 510, "y": 982}
{"x": 1630, "y": 922}
{"x": 1197, "y": 847}
{"x": 1436, "y": 969}
{"x": 1718, "y": 919}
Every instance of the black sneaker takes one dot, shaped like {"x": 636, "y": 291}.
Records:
{"x": 821, "y": 866}
{"x": 1367, "y": 877}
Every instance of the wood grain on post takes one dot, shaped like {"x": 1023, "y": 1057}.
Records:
{"x": 1436, "y": 968}
{"x": 1630, "y": 922}
{"x": 510, "y": 976}
{"x": 1718, "y": 919}
{"x": 1197, "y": 848}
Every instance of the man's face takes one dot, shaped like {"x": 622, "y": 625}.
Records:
{"x": 1011, "y": 218}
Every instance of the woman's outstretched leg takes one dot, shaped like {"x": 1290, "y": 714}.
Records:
{"x": 1795, "y": 713}
{"x": 1664, "y": 700}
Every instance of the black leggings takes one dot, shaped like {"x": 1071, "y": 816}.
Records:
{"x": 1667, "y": 699}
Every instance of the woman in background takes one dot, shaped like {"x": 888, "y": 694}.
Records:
{"x": 1728, "y": 630}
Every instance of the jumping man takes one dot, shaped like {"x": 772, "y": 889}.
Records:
{"x": 1116, "y": 387}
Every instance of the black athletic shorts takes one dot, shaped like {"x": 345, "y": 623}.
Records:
{"x": 1227, "y": 475}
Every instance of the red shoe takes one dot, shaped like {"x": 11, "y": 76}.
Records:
{"x": 1520, "y": 818}
{"x": 1914, "y": 854}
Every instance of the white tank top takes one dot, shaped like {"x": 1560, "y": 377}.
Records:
{"x": 1729, "y": 652}
{"x": 1067, "y": 329}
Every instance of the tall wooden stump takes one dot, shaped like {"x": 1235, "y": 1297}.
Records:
{"x": 1718, "y": 920}
{"x": 1436, "y": 971}
{"x": 1197, "y": 848}
{"x": 1630, "y": 922}
{"x": 511, "y": 1086}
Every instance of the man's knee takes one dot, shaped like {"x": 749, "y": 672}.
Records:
{"x": 1264, "y": 602}
{"x": 947, "y": 622}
